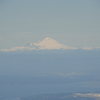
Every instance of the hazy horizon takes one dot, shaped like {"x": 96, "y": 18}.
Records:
{"x": 72, "y": 22}
{"x": 49, "y": 49}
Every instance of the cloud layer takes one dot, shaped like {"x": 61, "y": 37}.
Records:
{"x": 89, "y": 95}
{"x": 45, "y": 44}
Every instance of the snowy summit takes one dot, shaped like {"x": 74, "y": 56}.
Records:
{"x": 49, "y": 43}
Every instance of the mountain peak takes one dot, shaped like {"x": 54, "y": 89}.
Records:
{"x": 48, "y": 38}
{"x": 49, "y": 43}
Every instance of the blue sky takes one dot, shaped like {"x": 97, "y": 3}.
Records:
{"x": 72, "y": 22}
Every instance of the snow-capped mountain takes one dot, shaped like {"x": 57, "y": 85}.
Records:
{"x": 50, "y": 44}
{"x": 47, "y": 43}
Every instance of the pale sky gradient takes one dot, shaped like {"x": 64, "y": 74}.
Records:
{"x": 72, "y": 22}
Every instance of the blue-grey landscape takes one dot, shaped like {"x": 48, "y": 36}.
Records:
{"x": 49, "y": 49}
{"x": 51, "y": 74}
